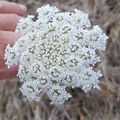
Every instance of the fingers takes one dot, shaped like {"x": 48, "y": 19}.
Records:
{"x": 7, "y": 38}
{"x": 10, "y": 7}
{"x": 6, "y": 73}
{"x": 8, "y": 22}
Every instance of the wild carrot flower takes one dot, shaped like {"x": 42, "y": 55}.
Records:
{"x": 56, "y": 51}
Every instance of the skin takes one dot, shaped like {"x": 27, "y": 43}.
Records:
{"x": 10, "y": 13}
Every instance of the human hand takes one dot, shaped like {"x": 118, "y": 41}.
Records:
{"x": 10, "y": 13}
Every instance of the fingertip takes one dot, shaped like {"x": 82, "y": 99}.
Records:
{"x": 23, "y": 10}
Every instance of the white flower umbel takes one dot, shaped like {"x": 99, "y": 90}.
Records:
{"x": 56, "y": 51}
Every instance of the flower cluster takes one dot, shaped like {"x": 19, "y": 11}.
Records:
{"x": 56, "y": 51}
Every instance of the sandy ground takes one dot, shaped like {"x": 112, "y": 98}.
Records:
{"x": 95, "y": 105}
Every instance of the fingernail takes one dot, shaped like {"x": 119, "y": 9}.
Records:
{"x": 23, "y": 8}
